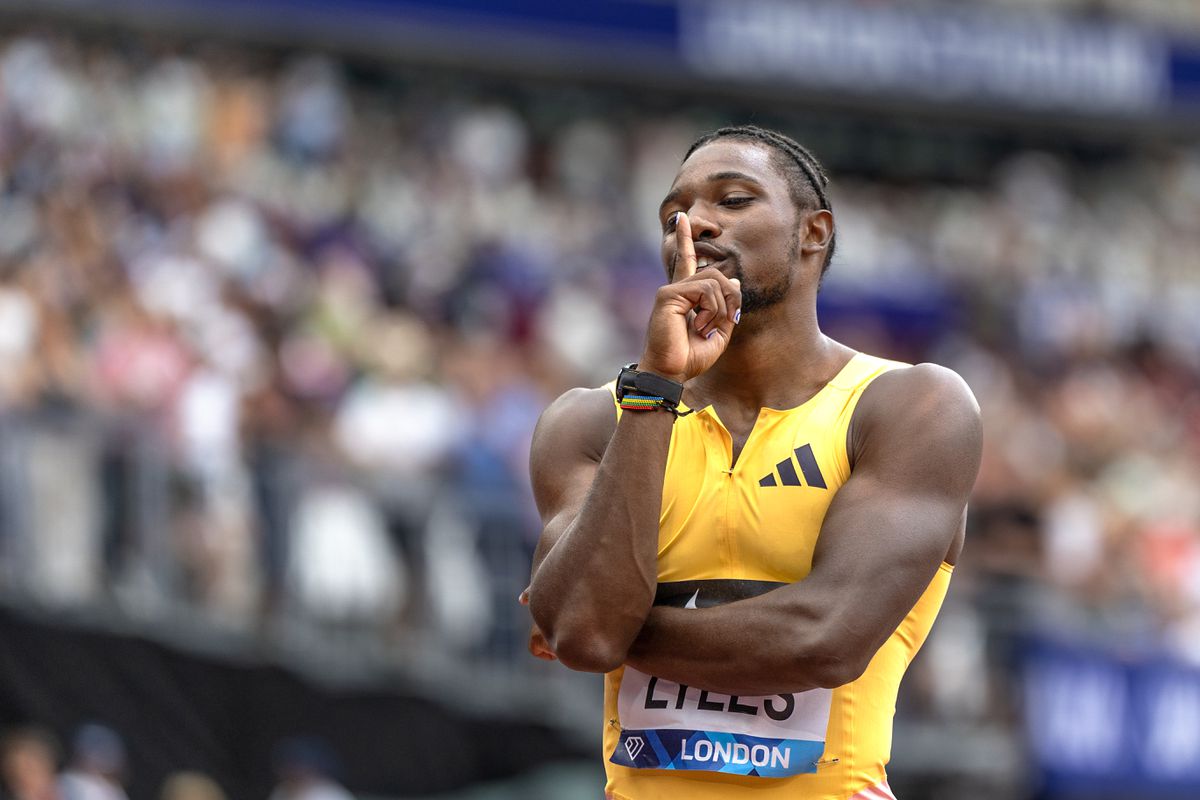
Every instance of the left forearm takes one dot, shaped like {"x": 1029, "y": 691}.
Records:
{"x": 735, "y": 649}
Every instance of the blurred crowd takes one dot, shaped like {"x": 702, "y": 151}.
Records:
{"x": 274, "y": 336}
{"x": 97, "y": 769}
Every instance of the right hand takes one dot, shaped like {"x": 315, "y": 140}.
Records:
{"x": 679, "y": 344}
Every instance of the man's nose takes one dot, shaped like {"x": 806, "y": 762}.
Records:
{"x": 703, "y": 227}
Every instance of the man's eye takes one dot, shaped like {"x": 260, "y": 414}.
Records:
{"x": 736, "y": 200}
{"x": 669, "y": 225}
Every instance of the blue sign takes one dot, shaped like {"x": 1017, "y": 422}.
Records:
{"x": 1100, "y": 726}
{"x": 953, "y": 54}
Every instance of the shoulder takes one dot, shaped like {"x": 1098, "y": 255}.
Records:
{"x": 568, "y": 445}
{"x": 925, "y": 405}
{"x": 581, "y": 420}
{"x": 922, "y": 383}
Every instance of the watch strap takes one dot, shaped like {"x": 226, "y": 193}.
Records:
{"x": 632, "y": 382}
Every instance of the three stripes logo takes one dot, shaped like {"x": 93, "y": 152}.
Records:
{"x": 787, "y": 471}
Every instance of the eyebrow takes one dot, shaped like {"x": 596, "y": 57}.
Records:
{"x": 729, "y": 175}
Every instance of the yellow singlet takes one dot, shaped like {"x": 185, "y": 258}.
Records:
{"x": 726, "y": 534}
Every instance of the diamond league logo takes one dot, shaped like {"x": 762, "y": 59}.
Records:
{"x": 633, "y": 746}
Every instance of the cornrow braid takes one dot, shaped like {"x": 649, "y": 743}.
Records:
{"x": 805, "y": 176}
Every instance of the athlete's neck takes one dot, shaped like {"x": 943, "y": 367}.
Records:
{"x": 778, "y": 358}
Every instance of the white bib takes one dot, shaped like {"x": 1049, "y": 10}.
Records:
{"x": 665, "y": 725}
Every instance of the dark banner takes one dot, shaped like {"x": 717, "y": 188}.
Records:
{"x": 947, "y": 54}
{"x": 179, "y": 711}
{"x": 1102, "y": 726}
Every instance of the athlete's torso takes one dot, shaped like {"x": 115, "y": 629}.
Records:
{"x": 726, "y": 533}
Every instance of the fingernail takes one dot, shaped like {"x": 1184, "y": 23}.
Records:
{"x": 711, "y": 333}
{"x": 737, "y": 316}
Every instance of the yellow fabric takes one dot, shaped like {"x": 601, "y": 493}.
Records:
{"x": 720, "y": 523}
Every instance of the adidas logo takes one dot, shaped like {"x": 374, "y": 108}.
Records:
{"x": 787, "y": 471}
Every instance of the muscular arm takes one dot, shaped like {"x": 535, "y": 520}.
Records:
{"x": 595, "y": 568}
{"x": 599, "y": 490}
{"x": 916, "y": 437}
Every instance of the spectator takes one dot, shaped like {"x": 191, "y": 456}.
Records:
{"x": 304, "y": 767}
{"x": 28, "y": 766}
{"x": 97, "y": 768}
{"x": 191, "y": 786}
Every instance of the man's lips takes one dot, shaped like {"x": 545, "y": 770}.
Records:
{"x": 705, "y": 250}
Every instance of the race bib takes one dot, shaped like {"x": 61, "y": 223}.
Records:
{"x": 667, "y": 725}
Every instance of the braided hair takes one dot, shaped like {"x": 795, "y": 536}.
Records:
{"x": 805, "y": 176}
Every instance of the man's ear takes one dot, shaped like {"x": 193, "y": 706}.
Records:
{"x": 818, "y": 230}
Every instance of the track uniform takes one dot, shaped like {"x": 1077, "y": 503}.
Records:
{"x": 727, "y": 534}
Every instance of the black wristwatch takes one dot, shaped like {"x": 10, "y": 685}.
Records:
{"x": 632, "y": 382}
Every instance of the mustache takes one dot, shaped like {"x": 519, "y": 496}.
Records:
{"x": 706, "y": 249}
{"x": 712, "y": 253}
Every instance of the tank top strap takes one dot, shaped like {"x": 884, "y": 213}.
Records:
{"x": 612, "y": 390}
{"x": 861, "y": 370}
{"x": 848, "y": 386}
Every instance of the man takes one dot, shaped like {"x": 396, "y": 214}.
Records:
{"x": 754, "y": 544}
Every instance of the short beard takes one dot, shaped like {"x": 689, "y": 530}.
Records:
{"x": 757, "y": 298}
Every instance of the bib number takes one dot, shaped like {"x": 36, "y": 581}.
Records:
{"x": 667, "y": 725}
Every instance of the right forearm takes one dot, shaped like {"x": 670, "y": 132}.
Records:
{"x": 595, "y": 585}
{"x": 592, "y": 592}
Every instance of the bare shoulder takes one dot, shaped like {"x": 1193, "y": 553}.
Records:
{"x": 580, "y": 422}
{"x": 926, "y": 406}
{"x": 568, "y": 444}
{"x": 927, "y": 385}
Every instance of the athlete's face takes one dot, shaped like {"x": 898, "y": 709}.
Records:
{"x": 743, "y": 219}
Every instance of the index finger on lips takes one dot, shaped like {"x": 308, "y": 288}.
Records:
{"x": 685, "y": 250}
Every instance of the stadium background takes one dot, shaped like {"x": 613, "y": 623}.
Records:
{"x": 285, "y": 285}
